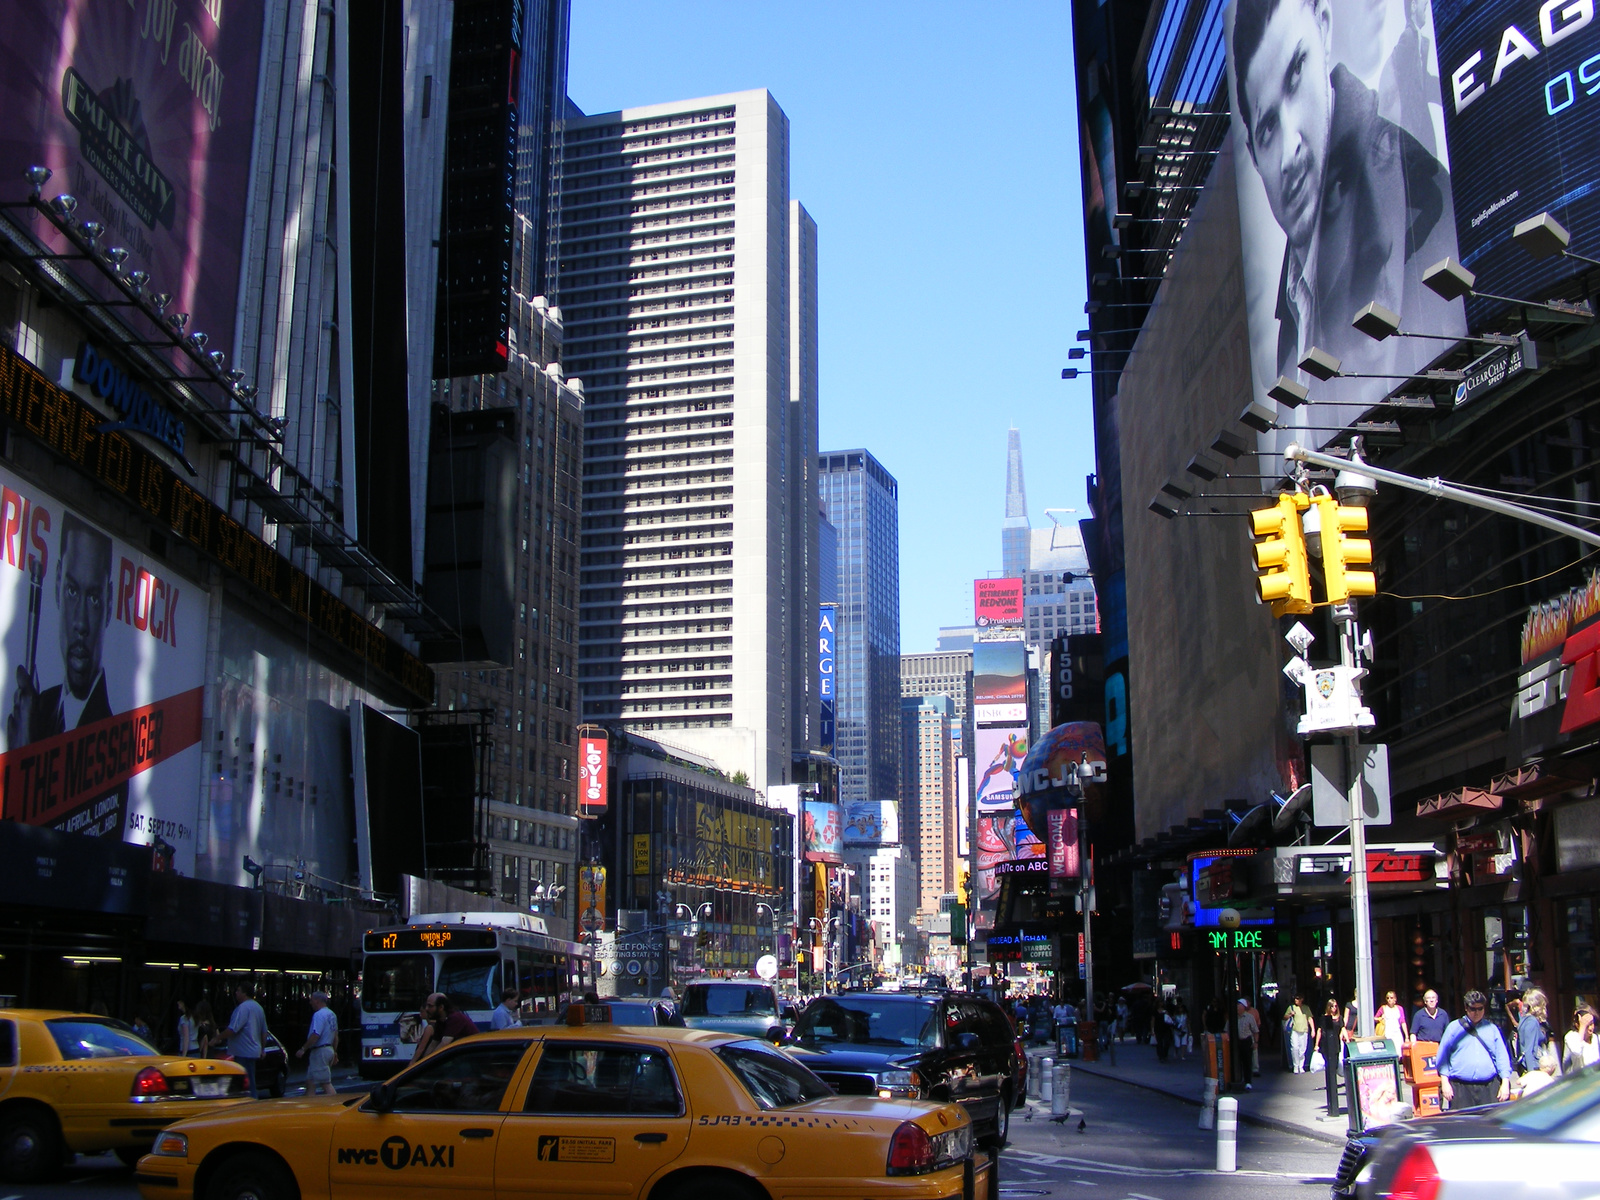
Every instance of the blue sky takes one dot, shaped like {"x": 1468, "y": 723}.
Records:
{"x": 935, "y": 144}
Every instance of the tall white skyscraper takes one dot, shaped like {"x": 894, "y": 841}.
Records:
{"x": 678, "y": 247}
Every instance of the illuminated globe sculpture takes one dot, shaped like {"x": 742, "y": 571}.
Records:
{"x": 1051, "y": 775}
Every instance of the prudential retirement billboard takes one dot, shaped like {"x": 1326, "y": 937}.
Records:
{"x": 144, "y": 111}
{"x": 1344, "y": 195}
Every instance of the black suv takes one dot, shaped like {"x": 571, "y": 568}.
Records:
{"x": 940, "y": 1046}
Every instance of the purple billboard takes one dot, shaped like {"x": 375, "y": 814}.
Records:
{"x": 144, "y": 110}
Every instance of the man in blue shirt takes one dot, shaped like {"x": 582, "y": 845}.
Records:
{"x": 1474, "y": 1065}
{"x": 1429, "y": 1022}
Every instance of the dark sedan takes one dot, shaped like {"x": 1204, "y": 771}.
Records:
{"x": 1545, "y": 1145}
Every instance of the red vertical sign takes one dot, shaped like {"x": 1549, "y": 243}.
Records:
{"x": 592, "y": 774}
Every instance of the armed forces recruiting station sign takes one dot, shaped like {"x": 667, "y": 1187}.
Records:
{"x": 102, "y": 657}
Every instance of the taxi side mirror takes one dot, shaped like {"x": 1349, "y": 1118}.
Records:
{"x": 776, "y": 1035}
{"x": 382, "y": 1100}
{"x": 789, "y": 1013}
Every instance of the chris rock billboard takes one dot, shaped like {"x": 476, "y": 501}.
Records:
{"x": 1345, "y": 195}
{"x": 144, "y": 110}
{"x": 1521, "y": 104}
{"x": 102, "y": 664}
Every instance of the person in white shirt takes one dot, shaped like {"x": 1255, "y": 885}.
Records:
{"x": 321, "y": 1046}
{"x": 508, "y": 1012}
{"x": 1581, "y": 1047}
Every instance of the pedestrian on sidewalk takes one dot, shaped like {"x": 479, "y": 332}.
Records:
{"x": 1245, "y": 1051}
{"x": 1390, "y": 1019}
{"x": 1545, "y": 1073}
{"x": 205, "y": 1029}
{"x": 246, "y": 1033}
{"x": 1183, "y": 1035}
{"x": 1430, "y": 1021}
{"x": 1329, "y": 1042}
{"x": 1473, "y": 1063}
{"x": 1581, "y": 1050}
{"x": 322, "y": 1046}
{"x": 1300, "y": 1024}
{"x": 1533, "y": 1030}
{"x": 187, "y": 1042}
{"x": 1164, "y": 1033}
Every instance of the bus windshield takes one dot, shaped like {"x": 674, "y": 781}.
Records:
{"x": 472, "y": 981}
{"x": 396, "y": 982}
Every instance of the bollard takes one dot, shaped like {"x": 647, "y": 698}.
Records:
{"x": 1061, "y": 1089}
{"x": 1046, "y": 1066}
{"x": 1208, "y": 1104}
{"x": 1227, "y": 1133}
{"x": 1035, "y": 1082}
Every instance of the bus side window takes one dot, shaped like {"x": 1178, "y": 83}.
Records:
{"x": 524, "y": 976}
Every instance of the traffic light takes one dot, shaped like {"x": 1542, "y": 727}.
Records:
{"x": 1339, "y": 551}
{"x": 1282, "y": 576}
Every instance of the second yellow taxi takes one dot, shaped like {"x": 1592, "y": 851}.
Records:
{"x": 585, "y": 1110}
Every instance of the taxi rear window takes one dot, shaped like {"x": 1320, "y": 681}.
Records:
{"x": 84, "y": 1037}
{"x": 773, "y": 1079}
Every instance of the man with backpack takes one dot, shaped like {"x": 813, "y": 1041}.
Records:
{"x": 1473, "y": 1063}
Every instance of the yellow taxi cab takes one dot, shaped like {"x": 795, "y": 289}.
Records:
{"x": 76, "y": 1083}
{"x": 582, "y": 1110}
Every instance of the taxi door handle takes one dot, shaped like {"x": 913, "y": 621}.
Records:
{"x": 649, "y": 1138}
{"x": 477, "y": 1133}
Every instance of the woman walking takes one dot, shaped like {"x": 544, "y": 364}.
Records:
{"x": 1582, "y": 1050}
{"x": 205, "y": 1028}
{"x": 1330, "y": 1039}
{"x": 1390, "y": 1019}
{"x": 1300, "y": 1023}
{"x": 1533, "y": 1030}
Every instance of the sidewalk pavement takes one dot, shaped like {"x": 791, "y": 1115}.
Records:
{"x": 1278, "y": 1099}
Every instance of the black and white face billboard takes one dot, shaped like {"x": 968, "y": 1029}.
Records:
{"x": 1344, "y": 194}
{"x": 1522, "y": 103}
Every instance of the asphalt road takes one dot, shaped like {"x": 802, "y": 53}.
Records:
{"x": 1135, "y": 1145}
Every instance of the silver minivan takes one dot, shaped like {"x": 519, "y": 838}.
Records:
{"x": 732, "y": 1006}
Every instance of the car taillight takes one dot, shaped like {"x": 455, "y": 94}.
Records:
{"x": 150, "y": 1082}
{"x": 1417, "y": 1178}
{"x": 910, "y": 1150}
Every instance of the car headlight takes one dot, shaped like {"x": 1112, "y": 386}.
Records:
{"x": 171, "y": 1145}
{"x": 899, "y": 1079}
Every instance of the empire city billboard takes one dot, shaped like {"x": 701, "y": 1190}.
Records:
{"x": 1345, "y": 197}
{"x": 145, "y": 114}
{"x": 1521, "y": 102}
{"x": 1000, "y": 682}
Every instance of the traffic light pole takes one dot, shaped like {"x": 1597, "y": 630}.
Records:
{"x": 1360, "y": 903}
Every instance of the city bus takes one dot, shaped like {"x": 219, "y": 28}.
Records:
{"x": 470, "y": 957}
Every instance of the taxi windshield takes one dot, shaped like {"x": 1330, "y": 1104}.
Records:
{"x": 85, "y": 1037}
{"x": 773, "y": 1080}
{"x": 728, "y": 1000}
{"x": 870, "y": 1020}
{"x": 1566, "y": 1098}
{"x": 396, "y": 982}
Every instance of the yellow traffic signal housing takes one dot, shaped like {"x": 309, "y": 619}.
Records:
{"x": 1283, "y": 578}
{"x": 1339, "y": 551}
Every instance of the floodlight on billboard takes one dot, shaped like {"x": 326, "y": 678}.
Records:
{"x": 1357, "y": 215}
{"x": 997, "y": 602}
{"x": 145, "y": 114}
{"x": 1520, "y": 82}
{"x": 1000, "y": 682}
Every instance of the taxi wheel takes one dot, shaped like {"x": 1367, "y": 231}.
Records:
{"x": 30, "y": 1147}
{"x": 251, "y": 1176}
{"x": 710, "y": 1185}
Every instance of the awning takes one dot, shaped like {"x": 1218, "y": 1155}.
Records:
{"x": 1461, "y": 803}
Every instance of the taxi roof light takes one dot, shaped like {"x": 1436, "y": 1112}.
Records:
{"x": 588, "y": 1014}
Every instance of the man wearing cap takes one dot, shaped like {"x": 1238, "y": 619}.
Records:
{"x": 321, "y": 1046}
{"x": 1473, "y": 1063}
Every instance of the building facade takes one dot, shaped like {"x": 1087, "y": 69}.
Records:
{"x": 676, "y": 252}
{"x": 929, "y": 809}
{"x": 1015, "y": 532}
{"x": 861, "y": 500}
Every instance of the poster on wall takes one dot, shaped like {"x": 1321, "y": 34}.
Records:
{"x": 822, "y": 832}
{"x": 1000, "y": 682}
{"x": 102, "y": 663}
{"x": 1345, "y": 196}
{"x": 144, "y": 112}
{"x": 1000, "y": 756}
{"x": 1526, "y": 76}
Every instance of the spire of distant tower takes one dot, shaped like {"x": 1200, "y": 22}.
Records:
{"x": 1016, "y": 493}
{"x": 1014, "y": 532}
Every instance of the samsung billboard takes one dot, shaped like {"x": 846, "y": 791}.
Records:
{"x": 1345, "y": 196}
{"x": 145, "y": 113}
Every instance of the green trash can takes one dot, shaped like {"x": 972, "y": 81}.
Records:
{"x": 1373, "y": 1083}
